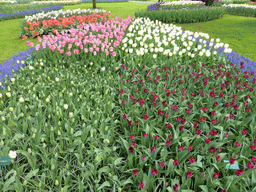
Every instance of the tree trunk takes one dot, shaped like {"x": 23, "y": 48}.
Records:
{"x": 94, "y": 4}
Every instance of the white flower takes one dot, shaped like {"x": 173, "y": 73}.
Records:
{"x": 8, "y": 94}
{"x": 208, "y": 53}
{"x": 214, "y": 52}
{"x": 130, "y": 41}
{"x": 57, "y": 79}
{"x": 226, "y": 45}
{"x": 47, "y": 100}
{"x": 103, "y": 69}
{"x": 65, "y": 106}
{"x": 12, "y": 154}
{"x": 154, "y": 56}
{"x": 218, "y": 40}
{"x": 21, "y": 100}
{"x": 130, "y": 50}
{"x": 31, "y": 67}
{"x": 192, "y": 55}
{"x": 170, "y": 54}
{"x": 201, "y": 53}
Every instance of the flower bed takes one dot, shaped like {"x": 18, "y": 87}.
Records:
{"x": 49, "y": 26}
{"x": 137, "y": 103}
{"x": 6, "y": 16}
{"x": 175, "y": 5}
{"x": 241, "y": 10}
{"x": 60, "y": 13}
{"x": 184, "y": 15}
{"x": 104, "y": 1}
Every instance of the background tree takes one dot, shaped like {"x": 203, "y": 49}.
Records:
{"x": 94, "y": 4}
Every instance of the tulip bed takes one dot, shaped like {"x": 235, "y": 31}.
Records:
{"x": 127, "y": 105}
{"x": 47, "y": 25}
{"x": 243, "y": 10}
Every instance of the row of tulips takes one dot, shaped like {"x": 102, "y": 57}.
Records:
{"x": 50, "y": 26}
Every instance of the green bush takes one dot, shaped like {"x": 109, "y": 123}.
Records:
{"x": 241, "y": 11}
{"x": 240, "y": 1}
{"x": 184, "y": 15}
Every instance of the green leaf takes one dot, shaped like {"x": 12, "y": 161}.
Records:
{"x": 31, "y": 173}
{"x": 78, "y": 133}
{"x": 105, "y": 184}
{"x": 8, "y": 182}
{"x": 204, "y": 188}
{"x": 123, "y": 182}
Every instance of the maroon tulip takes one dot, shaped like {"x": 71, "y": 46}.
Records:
{"x": 129, "y": 123}
{"x": 168, "y": 125}
{"x": 232, "y": 161}
{"x": 135, "y": 172}
{"x": 142, "y": 185}
{"x": 175, "y": 162}
{"x": 218, "y": 158}
{"x": 244, "y": 132}
{"x": 170, "y": 137}
{"x": 132, "y": 137}
{"x": 238, "y": 144}
{"x": 145, "y": 135}
{"x": 180, "y": 149}
{"x": 191, "y": 160}
{"x": 168, "y": 143}
{"x": 189, "y": 174}
{"x": 212, "y": 149}
{"x": 250, "y": 165}
{"x": 123, "y": 102}
{"x": 196, "y": 124}
{"x": 156, "y": 137}
{"x": 154, "y": 172}
{"x": 143, "y": 158}
{"x": 214, "y": 121}
{"x": 161, "y": 164}
{"x": 213, "y": 113}
{"x": 175, "y": 187}
{"x": 247, "y": 110}
{"x": 153, "y": 149}
{"x": 208, "y": 140}
{"x": 203, "y": 176}
{"x": 136, "y": 122}
{"x": 146, "y": 117}
{"x": 198, "y": 132}
{"x": 125, "y": 116}
{"x": 252, "y": 147}
{"x": 131, "y": 149}
{"x": 216, "y": 175}
{"x": 189, "y": 148}
{"x": 239, "y": 172}
{"x": 188, "y": 111}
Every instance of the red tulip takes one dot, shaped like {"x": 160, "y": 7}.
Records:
{"x": 142, "y": 185}
{"x": 239, "y": 172}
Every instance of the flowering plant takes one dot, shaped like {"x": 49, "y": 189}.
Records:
{"x": 47, "y": 26}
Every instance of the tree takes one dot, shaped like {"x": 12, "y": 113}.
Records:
{"x": 94, "y": 4}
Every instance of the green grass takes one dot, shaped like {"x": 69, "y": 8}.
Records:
{"x": 237, "y": 31}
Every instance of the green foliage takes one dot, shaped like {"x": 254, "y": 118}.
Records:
{"x": 184, "y": 15}
{"x": 241, "y": 11}
{"x": 240, "y": 1}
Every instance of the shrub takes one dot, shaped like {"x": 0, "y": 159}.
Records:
{"x": 241, "y": 10}
{"x": 184, "y": 15}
